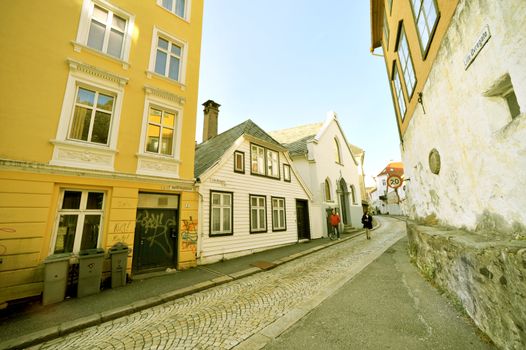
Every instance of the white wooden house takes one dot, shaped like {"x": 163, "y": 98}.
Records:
{"x": 323, "y": 157}
{"x": 251, "y": 197}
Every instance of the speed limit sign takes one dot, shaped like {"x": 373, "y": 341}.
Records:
{"x": 394, "y": 181}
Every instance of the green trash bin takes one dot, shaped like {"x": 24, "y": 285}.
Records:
{"x": 56, "y": 269}
{"x": 119, "y": 260}
{"x": 90, "y": 271}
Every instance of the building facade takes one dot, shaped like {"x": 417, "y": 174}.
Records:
{"x": 251, "y": 198}
{"x": 389, "y": 196}
{"x": 104, "y": 96}
{"x": 457, "y": 77}
{"x": 323, "y": 158}
{"x": 458, "y": 81}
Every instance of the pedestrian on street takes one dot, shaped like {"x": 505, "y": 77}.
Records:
{"x": 335, "y": 221}
{"x": 367, "y": 221}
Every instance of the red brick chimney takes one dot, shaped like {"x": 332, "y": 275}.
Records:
{"x": 211, "y": 113}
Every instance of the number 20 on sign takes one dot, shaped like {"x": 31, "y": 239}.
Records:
{"x": 394, "y": 181}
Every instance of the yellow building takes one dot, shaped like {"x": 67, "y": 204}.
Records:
{"x": 98, "y": 110}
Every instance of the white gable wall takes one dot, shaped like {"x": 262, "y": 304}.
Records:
{"x": 324, "y": 166}
{"x": 243, "y": 242}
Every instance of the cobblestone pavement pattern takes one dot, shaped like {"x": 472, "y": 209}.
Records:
{"x": 224, "y": 316}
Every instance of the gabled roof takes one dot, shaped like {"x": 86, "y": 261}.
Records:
{"x": 295, "y": 139}
{"x": 396, "y": 168}
{"x": 209, "y": 152}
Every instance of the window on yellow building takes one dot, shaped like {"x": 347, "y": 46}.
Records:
{"x": 167, "y": 56}
{"x": 177, "y": 7}
{"x": 79, "y": 221}
{"x": 399, "y": 95}
{"x": 386, "y": 31}
{"x": 426, "y": 17}
{"x": 221, "y": 213}
{"x": 92, "y": 116}
{"x": 161, "y": 131}
{"x": 168, "y": 59}
{"x": 406, "y": 63}
{"x": 105, "y": 28}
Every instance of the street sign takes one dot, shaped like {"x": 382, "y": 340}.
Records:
{"x": 394, "y": 181}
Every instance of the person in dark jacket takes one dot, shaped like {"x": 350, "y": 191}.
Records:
{"x": 367, "y": 221}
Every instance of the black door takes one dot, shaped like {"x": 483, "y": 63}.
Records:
{"x": 155, "y": 241}
{"x": 302, "y": 216}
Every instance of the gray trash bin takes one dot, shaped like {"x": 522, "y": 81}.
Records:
{"x": 90, "y": 271}
{"x": 55, "y": 278}
{"x": 119, "y": 261}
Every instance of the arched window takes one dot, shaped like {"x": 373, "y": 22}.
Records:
{"x": 353, "y": 195}
{"x": 337, "y": 153}
{"x": 327, "y": 188}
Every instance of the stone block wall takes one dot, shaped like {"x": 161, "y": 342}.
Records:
{"x": 487, "y": 275}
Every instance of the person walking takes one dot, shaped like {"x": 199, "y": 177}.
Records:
{"x": 335, "y": 221}
{"x": 367, "y": 221}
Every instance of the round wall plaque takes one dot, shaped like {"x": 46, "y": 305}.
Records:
{"x": 434, "y": 161}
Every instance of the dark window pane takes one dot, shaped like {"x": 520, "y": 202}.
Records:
{"x": 71, "y": 200}
{"x": 101, "y": 128}
{"x": 65, "y": 234}
{"x": 90, "y": 232}
{"x": 160, "y": 62}
{"x": 80, "y": 124}
{"x": 95, "y": 200}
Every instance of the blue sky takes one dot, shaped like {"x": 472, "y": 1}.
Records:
{"x": 291, "y": 64}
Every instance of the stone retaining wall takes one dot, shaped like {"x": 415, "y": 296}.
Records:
{"x": 486, "y": 274}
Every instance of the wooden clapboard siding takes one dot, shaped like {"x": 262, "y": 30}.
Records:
{"x": 242, "y": 185}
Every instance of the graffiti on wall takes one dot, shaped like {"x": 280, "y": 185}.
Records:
{"x": 189, "y": 235}
{"x": 154, "y": 227}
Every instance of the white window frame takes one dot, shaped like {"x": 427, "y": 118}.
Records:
{"x": 81, "y": 41}
{"x": 77, "y": 153}
{"x": 272, "y": 163}
{"x": 286, "y": 173}
{"x": 161, "y": 164}
{"x": 398, "y": 92}
{"x": 241, "y": 156}
{"x": 188, "y": 6}
{"x": 81, "y": 212}
{"x": 406, "y": 63}
{"x": 420, "y": 14}
{"x": 277, "y": 225}
{"x": 260, "y": 226}
{"x": 157, "y": 32}
{"x": 257, "y": 157}
{"x": 222, "y": 207}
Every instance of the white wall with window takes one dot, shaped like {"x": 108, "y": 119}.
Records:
{"x": 106, "y": 29}
{"x": 160, "y": 146}
{"x": 263, "y": 207}
{"x": 79, "y": 221}
{"x": 260, "y": 156}
{"x": 221, "y": 213}
{"x": 89, "y": 120}
{"x": 279, "y": 222}
{"x": 168, "y": 57}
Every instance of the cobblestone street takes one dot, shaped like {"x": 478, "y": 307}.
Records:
{"x": 225, "y": 316}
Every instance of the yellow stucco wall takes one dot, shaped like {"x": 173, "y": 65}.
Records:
{"x": 37, "y": 40}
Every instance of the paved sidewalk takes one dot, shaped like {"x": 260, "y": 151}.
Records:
{"x": 32, "y": 324}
